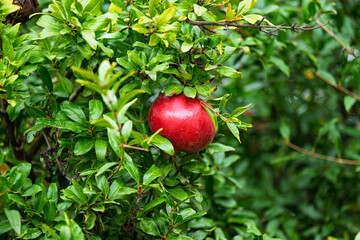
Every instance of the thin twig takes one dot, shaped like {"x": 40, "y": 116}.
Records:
{"x": 134, "y": 147}
{"x": 262, "y": 28}
{"x": 337, "y": 86}
{"x": 136, "y": 208}
{"x": 331, "y": 33}
{"x": 119, "y": 167}
{"x": 70, "y": 152}
{"x": 323, "y": 157}
{"x": 62, "y": 171}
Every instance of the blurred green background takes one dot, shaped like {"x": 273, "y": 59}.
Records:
{"x": 292, "y": 195}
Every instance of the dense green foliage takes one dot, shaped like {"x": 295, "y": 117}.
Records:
{"x": 79, "y": 161}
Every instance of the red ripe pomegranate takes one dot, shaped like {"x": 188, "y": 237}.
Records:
{"x": 184, "y": 121}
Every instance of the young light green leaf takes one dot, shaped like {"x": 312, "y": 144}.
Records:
{"x": 164, "y": 17}
{"x": 199, "y": 10}
{"x": 245, "y": 6}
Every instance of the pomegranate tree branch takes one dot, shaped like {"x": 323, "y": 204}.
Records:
{"x": 320, "y": 156}
{"x": 339, "y": 87}
{"x": 268, "y": 29}
{"x": 331, "y": 33}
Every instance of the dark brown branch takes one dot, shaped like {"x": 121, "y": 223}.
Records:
{"x": 268, "y": 29}
{"x": 10, "y": 132}
{"x": 76, "y": 93}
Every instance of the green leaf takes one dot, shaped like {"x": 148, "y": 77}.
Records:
{"x": 83, "y": 145}
{"x": 100, "y": 149}
{"x": 105, "y": 167}
{"x": 103, "y": 184}
{"x": 96, "y": 109}
{"x": 7, "y": 47}
{"x": 349, "y": 102}
{"x": 190, "y": 92}
{"x": 228, "y": 52}
{"x": 281, "y": 64}
{"x": 178, "y": 193}
{"x": 92, "y": 6}
{"x": 199, "y": 10}
{"x": 32, "y": 190}
{"x": 34, "y": 112}
{"x": 151, "y": 174}
{"x": 66, "y": 84}
{"x": 131, "y": 168}
{"x": 186, "y": 46}
{"x": 18, "y": 176}
{"x": 50, "y": 211}
{"x": 154, "y": 40}
{"x": 89, "y": 37}
{"x": 174, "y": 89}
{"x": 164, "y": 17}
{"x": 203, "y": 90}
{"x": 140, "y": 28}
{"x": 152, "y": 7}
{"x": 164, "y": 144}
{"x": 234, "y": 130}
{"x": 52, "y": 193}
{"x": 126, "y": 130}
{"x": 240, "y": 110}
{"x": 152, "y": 205}
{"x": 228, "y": 72}
{"x": 45, "y": 77}
{"x": 218, "y": 147}
{"x": 14, "y": 218}
{"x": 74, "y": 112}
{"x": 149, "y": 226}
{"x": 123, "y": 108}
{"x": 135, "y": 58}
{"x": 245, "y": 6}
{"x": 114, "y": 139}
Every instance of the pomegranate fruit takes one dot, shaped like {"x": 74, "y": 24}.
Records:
{"x": 185, "y": 122}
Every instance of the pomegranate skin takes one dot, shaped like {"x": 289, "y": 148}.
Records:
{"x": 185, "y": 122}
